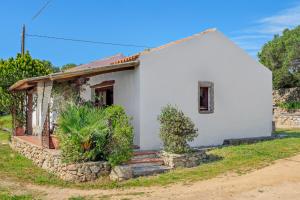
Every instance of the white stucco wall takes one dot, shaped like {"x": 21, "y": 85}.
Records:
{"x": 35, "y": 116}
{"x": 243, "y": 90}
{"x": 126, "y": 93}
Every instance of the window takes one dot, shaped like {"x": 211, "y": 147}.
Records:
{"x": 104, "y": 96}
{"x": 103, "y": 93}
{"x": 205, "y": 97}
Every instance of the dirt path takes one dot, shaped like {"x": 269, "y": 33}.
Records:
{"x": 278, "y": 181}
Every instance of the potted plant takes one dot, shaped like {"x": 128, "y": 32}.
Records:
{"x": 54, "y": 142}
{"x": 20, "y": 121}
{"x": 20, "y": 131}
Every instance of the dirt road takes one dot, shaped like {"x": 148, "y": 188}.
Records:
{"x": 278, "y": 181}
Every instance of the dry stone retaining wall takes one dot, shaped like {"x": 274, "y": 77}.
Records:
{"x": 184, "y": 160}
{"x": 51, "y": 161}
{"x": 286, "y": 119}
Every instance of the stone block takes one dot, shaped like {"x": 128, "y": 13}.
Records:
{"x": 121, "y": 172}
{"x": 94, "y": 169}
{"x": 191, "y": 159}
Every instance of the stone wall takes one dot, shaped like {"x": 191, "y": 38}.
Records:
{"x": 51, "y": 161}
{"x": 281, "y": 117}
{"x": 286, "y": 95}
{"x": 184, "y": 160}
{"x": 286, "y": 119}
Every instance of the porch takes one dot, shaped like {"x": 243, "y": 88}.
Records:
{"x": 35, "y": 140}
{"x": 39, "y": 126}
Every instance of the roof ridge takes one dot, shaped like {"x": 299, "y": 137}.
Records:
{"x": 105, "y": 58}
{"x": 178, "y": 41}
{"x": 135, "y": 56}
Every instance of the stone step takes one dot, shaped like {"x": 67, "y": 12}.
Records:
{"x": 145, "y": 154}
{"x": 146, "y": 169}
{"x": 146, "y": 160}
{"x": 138, "y": 153}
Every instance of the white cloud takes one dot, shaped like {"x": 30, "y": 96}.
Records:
{"x": 246, "y": 37}
{"x": 287, "y": 18}
{"x": 252, "y": 38}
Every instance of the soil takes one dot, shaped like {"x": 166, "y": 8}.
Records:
{"x": 278, "y": 181}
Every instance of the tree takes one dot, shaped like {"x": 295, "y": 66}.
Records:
{"x": 68, "y": 66}
{"x": 13, "y": 70}
{"x": 282, "y": 56}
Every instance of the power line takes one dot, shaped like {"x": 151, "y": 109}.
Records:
{"x": 41, "y": 10}
{"x": 85, "y": 41}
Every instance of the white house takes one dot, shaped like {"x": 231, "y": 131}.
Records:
{"x": 225, "y": 92}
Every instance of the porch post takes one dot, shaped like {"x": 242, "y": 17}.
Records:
{"x": 14, "y": 121}
{"x": 44, "y": 95}
{"x": 29, "y": 112}
{"x": 46, "y": 131}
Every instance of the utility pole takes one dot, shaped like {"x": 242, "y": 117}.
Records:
{"x": 23, "y": 40}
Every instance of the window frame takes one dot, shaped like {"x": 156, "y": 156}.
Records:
{"x": 211, "y": 103}
{"x": 105, "y": 90}
{"x": 105, "y": 85}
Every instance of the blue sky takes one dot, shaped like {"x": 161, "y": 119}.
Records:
{"x": 250, "y": 23}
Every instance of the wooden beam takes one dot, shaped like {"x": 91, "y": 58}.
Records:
{"x": 46, "y": 131}
{"x": 29, "y": 111}
{"x": 104, "y": 84}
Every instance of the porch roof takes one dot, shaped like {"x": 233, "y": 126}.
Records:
{"x": 124, "y": 64}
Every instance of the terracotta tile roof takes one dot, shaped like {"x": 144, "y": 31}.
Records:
{"x": 127, "y": 59}
{"x": 99, "y": 63}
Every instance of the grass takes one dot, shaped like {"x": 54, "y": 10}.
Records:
{"x": 77, "y": 198}
{"x": 4, "y": 137}
{"x": 237, "y": 159}
{"x": 289, "y": 132}
{"x": 5, "y": 121}
{"x": 15, "y": 166}
{"x": 6, "y": 196}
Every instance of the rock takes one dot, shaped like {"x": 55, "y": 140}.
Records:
{"x": 72, "y": 167}
{"x": 87, "y": 170}
{"x": 121, "y": 172}
{"x": 69, "y": 177}
{"x": 81, "y": 170}
{"x": 95, "y": 169}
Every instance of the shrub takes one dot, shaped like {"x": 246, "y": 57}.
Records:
{"x": 176, "y": 130}
{"x": 82, "y": 133}
{"x": 87, "y": 133}
{"x": 290, "y": 105}
{"x": 119, "y": 148}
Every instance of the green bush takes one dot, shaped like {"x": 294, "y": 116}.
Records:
{"x": 87, "y": 133}
{"x": 290, "y": 105}
{"x": 119, "y": 148}
{"x": 176, "y": 130}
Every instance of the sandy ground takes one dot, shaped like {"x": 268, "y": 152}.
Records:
{"x": 278, "y": 181}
